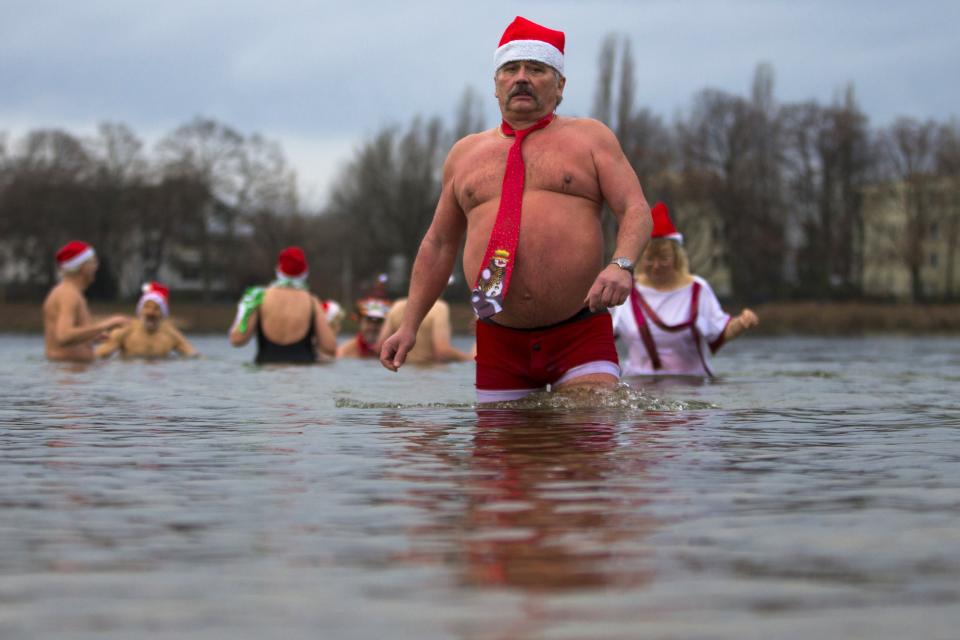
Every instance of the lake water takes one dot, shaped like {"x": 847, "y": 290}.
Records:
{"x": 812, "y": 491}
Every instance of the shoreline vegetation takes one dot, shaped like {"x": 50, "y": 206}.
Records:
{"x": 778, "y": 318}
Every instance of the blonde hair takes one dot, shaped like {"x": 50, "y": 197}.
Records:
{"x": 681, "y": 264}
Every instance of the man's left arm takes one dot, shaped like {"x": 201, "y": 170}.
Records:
{"x": 621, "y": 189}
{"x": 181, "y": 345}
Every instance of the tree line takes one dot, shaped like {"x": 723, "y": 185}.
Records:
{"x": 778, "y": 194}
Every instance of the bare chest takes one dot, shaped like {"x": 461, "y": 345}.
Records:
{"x": 145, "y": 344}
{"x": 549, "y": 166}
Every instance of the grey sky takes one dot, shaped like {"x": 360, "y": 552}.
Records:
{"x": 319, "y": 76}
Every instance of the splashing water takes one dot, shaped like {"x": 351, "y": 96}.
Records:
{"x": 622, "y": 397}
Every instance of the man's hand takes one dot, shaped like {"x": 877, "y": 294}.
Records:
{"x": 610, "y": 289}
{"x": 394, "y": 351}
{"x": 114, "y": 322}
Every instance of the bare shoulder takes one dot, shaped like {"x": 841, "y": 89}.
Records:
{"x": 169, "y": 328}
{"x": 590, "y": 128}
{"x": 464, "y": 148}
{"x": 61, "y": 296}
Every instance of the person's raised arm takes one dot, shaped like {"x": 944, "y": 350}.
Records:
{"x": 431, "y": 269}
{"x": 744, "y": 322}
{"x": 67, "y": 334}
{"x": 112, "y": 344}
{"x": 621, "y": 190}
{"x": 181, "y": 345}
{"x": 326, "y": 340}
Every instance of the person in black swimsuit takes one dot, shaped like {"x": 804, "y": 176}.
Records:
{"x": 287, "y": 319}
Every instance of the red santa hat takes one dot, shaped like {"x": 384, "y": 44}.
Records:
{"x": 373, "y": 307}
{"x": 292, "y": 263}
{"x": 526, "y": 40}
{"x": 73, "y": 254}
{"x": 332, "y": 311}
{"x": 155, "y": 292}
{"x": 662, "y": 225}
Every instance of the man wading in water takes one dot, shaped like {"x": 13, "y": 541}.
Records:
{"x": 68, "y": 331}
{"x": 542, "y": 290}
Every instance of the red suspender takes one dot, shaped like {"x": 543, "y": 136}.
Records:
{"x": 641, "y": 309}
{"x": 635, "y": 301}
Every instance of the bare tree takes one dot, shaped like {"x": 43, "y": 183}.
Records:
{"x": 910, "y": 155}
{"x": 468, "y": 117}
{"x": 733, "y": 164}
{"x": 828, "y": 152}
{"x": 386, "y": 196}
{"x": 948, "y": 170}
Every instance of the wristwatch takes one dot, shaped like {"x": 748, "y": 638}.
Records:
{"x": 624, "y": 263}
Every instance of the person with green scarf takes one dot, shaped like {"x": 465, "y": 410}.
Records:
{"x": 288, "y": 321}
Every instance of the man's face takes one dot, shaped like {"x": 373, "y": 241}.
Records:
{"x": 370, "y": 328}
{"x": 151, "y": 315}
{"x": 88, "y": 270}
{"x": 526, "y": 87}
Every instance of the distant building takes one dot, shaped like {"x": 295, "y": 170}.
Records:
{"x": 912, "y": 234}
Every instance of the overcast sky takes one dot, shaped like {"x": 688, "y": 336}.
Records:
{"x": 321, "y": 76}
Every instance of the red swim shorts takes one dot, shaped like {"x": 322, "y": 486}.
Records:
{"x": 512, "y": 363}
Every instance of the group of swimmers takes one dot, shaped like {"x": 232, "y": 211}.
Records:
{"x": 670, "y": 324}
{"x": 290, "y": 324}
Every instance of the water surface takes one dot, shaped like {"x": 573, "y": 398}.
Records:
{"x": 811, "y": 491}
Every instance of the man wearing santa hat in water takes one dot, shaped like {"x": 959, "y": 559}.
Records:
{"x": 151, "y": 335}
{"x": 68, "y": 330}
{"x": 541, "y": 288}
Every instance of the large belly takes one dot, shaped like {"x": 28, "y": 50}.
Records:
{"x": 559, "y": 256}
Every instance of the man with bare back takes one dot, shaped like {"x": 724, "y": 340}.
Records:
{"x": 553, "y": 328}
{"x": 68, "y": 330}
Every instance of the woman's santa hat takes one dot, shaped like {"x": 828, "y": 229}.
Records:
{"x": 155, "y": 292}
{"x": 662, "y": 225}
{"x": 73, "y": 254}
{"x": 292, "y": 263}
{"x": 526, "y": 40}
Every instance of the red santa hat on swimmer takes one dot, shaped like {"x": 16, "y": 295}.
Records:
{"x": 73, "y": 254}
{"x": 373, "y": 307}
{"x": 526, "y": 40}
{"x": 332, "y": 310}
{"x": 155, "y": 292}
{"x": 662, "y": 225}
{"x": 292, "y": 263}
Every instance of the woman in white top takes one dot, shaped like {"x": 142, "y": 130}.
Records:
{"x": 672, "y": 321}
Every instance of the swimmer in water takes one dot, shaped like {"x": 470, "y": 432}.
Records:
{"x": 151, "y": 335}
{"x": 542, "y": 295}
{"x": 68, "y": 330}
{"x": 289, "y": 322}
{"x": 371, "y": 313}
{"x": 673, "y": 321}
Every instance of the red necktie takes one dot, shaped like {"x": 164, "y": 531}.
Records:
{"x": 493, "y": 280}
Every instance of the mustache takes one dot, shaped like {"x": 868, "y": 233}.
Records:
{"x": 522, "y": 90}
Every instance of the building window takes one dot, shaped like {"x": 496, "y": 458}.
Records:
{"x": 933, "y": 260}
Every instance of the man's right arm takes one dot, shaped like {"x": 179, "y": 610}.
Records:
{"x": 431, "y": 269}
{"x": 112, "y": 344}
{"x": 67, "y": 334}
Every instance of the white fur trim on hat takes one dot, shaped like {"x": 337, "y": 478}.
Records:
{"x": 155, "y": 297}
{"x": 529, "y": 50}
{"x": 286, "y": 276}
{"x": 76, "y": 261}
{"x": 678, "y": 237}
